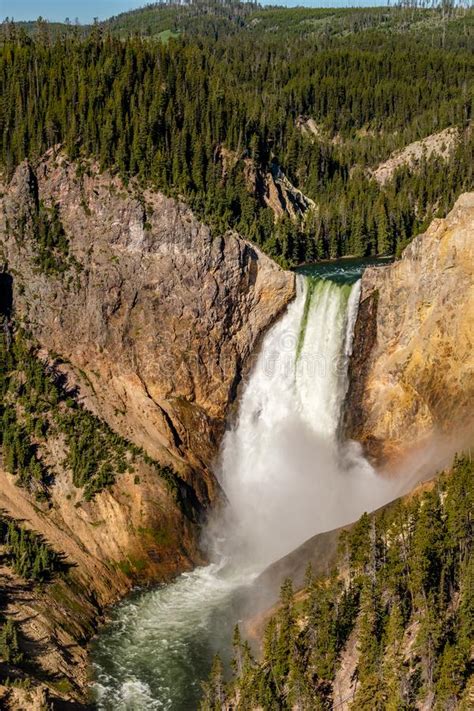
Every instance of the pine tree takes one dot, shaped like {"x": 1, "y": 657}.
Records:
{"x": 383, "y": 235}
{"x": 10, "y": 650}
{"x": 214, "y": 689}
{"x": 451, "y": 679}
{"x": 370, "y": 692}
{"x": 393, "y": 672}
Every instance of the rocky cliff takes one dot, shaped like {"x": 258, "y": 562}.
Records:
{"x": 440, "y": 144}
{"x": 412, "y": 372}
{"x": 150, "y": 321}
{"x": 158, "y": 314}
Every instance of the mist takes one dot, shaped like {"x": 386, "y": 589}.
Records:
{"x": 283, "y": 467}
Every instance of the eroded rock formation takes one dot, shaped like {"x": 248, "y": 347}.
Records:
{"x": 440, "y": 144}
{"x": 412, "y": 373}
{"x": 270, "y": 186}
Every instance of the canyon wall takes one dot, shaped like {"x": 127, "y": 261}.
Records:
{"x": 412, "y": 372}
{"x": 150, "y": 320}
{"x": 160, "y": 315}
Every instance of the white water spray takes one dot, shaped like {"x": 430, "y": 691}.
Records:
{"x": 285, "y": 472}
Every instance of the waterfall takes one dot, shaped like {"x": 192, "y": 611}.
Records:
{"x": 325, "y": 345}
{"x": 285, "y": 471}
{"x": 287, "y": 476}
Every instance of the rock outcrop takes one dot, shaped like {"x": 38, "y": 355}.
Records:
{"x": 54, "y": 623}
{"x": 281, "y": 196}
{"x": 412, "y": 372}
{"x": 440, "y": 144}
{"x": 270, "y": 186}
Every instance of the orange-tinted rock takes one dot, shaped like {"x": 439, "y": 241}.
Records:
{"x": 412, "y": 373}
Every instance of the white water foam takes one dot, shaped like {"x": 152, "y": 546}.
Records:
{"x": 156, "y": 650}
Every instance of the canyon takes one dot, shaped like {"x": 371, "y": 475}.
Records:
{"x": 156, "y": 322}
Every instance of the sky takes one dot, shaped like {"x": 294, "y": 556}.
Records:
{"x": 86, "y": 10}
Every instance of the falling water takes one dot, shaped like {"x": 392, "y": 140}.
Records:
{"x": 287, "y": 476}
{"x": 284, "y": 469}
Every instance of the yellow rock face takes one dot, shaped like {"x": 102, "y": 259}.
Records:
{"x": 412, "y": 374}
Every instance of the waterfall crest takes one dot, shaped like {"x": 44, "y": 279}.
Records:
{"x": 283, "y": 467}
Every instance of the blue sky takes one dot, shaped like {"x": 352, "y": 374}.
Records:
{"x": 85, "y": 10}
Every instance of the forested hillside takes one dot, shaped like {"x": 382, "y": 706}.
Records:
{"x": 203, "y": 101}
{"x": 37, "y": 409}
{"x": 390, "y": 629}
